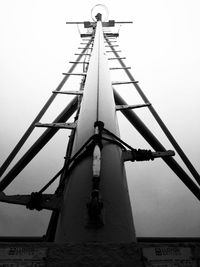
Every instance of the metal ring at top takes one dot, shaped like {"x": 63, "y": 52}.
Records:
{"x": 100, "y": 8}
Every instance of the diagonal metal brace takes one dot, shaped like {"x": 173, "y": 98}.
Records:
{"x": 143, "y": 154}
{"x": 34, "y": 201}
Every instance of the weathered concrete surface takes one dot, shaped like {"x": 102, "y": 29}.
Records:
{"x": 103, "y": 255}
{"x": 43, "y": 254}
{"x": 75, "y": 255}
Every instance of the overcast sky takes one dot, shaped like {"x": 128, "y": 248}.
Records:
{"x": 161, "y": 46}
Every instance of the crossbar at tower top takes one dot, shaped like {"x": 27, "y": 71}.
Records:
{"x": 102, "y": 15}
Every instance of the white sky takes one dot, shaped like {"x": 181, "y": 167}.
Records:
{"x": 161, "y": 46}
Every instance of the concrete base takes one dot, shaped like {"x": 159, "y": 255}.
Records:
{"x": 99, "y": 254}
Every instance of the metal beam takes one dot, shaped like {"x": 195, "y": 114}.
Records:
{"x": 113, "y": 58}
{"x": 157, "y": 146}
{"x": 122, "y": 107}
{"x": 126, "y": 82}
{"x": 47, "y": 201}
{"x": 113, "y": 52}
{"x": 78, "y": 62}
{"x": 123, "y": 22}
{"x": 86, "y": 54}
{"x": 75, "y": 74}
{"x": 68, "y": 92}
{"x": 74, "y": 22}
{"x": 60, "y": 125}
{"x": 120, "y": 68}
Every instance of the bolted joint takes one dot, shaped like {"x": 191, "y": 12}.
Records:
{"x": 137, "y": 155}
{"x": 35, "y": 201}
{"x": 142, "y": 155}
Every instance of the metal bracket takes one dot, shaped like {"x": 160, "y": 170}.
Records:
{"x": 78, "y": 54}
{"x": 142, "y": 154}
{"x": 120, "y": 68}
{"x": 111, "y": 45}
{"x": 57, "y": 125}
{"x": 78, "y": 74}
{"x": 122, "y": 107}
{"x": 83, "y": 35}
{"x": 110, "y": 51}
{"x": 34, "y": 201}
{"x": 68, "y": 92}
{"x": 112, "y": 35}
{"x": 126, "y": 82}
{"x": 78, "y": 62}
{"x": 113, "y": 58}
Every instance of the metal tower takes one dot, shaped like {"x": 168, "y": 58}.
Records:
{"x": 91, "y": 203}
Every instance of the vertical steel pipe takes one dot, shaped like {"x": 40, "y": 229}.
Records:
{"x": 97, "y": 105}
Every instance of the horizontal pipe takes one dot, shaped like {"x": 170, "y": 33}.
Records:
{"x": 74, "y": 22}
{"x": 76, "y": 74}
{"x": 123, "y": 22}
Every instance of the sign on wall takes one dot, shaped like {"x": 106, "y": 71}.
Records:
{"x": 24, "y": 256}
{"x": 168, "y": 256}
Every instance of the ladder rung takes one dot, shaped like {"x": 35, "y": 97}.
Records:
{"x": 110, "y": 42}
{"x": 77, "y": 74}
{"x": 74, "y": 22}
{"x": 121, "y": 68}
{"x": 82, "y": 54}
{"x": 122, "y": 22}
{"x": 111, "y": 45}
{"x": 112, "y": 58}
{"x": 113, "y": 51}
{"x": 68, "y": 92}
{"x": 85, "y": 47}
{"x": 118, "y": 83}
{"x": 78, "y": 62}
{"x": 83, "y": 35}
{"x": 89, "y": 39}
{"x": 122, "y": 107}
{"x": 112, "y": 34}
{"x": 57, "y": 125}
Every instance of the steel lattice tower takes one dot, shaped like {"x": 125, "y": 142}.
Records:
{"x": 91, "y": 203}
